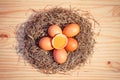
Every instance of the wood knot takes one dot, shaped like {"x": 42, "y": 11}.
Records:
{"x": 114, "y": 66}
{"x": 3, "y": 36}
{"x": 109, "y": 62}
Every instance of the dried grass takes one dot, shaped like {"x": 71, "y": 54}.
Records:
{"x": 36, "y": 28}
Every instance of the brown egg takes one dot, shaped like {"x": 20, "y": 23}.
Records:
{"x": 45, "y": 43}
{"x": 71, "y": 30}
{"x": 60, "y": 55}
{"x": 72, "y": 45}
{"x": 54, "y": 30}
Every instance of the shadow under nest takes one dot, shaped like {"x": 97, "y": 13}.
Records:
{"x": 36, "y": 28}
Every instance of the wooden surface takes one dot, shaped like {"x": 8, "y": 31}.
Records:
{"x": 105, "y": 63}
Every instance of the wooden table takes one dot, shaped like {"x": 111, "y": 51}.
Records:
{"x": 105, "y": 63}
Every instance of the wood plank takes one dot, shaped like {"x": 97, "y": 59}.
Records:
{"x": 103, "y": 65}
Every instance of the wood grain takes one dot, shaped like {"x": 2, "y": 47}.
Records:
{"x": 104, "y": 64}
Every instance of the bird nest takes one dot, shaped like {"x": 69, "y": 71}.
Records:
{"x": 36, "y": 27}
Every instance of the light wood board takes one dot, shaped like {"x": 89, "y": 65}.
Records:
{"x": 105, "y": 63}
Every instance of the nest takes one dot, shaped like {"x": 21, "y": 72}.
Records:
{"x": 36, "y": 28}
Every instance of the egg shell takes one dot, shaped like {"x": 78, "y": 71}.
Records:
{"x": 71, "y": 30}
{"x": 45, "y": 43}
{"x": 54, "y": 30}
{"x": 60, "y": 55}
{"x": 59, "y": 41}
{"x": 72, "y": 44}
